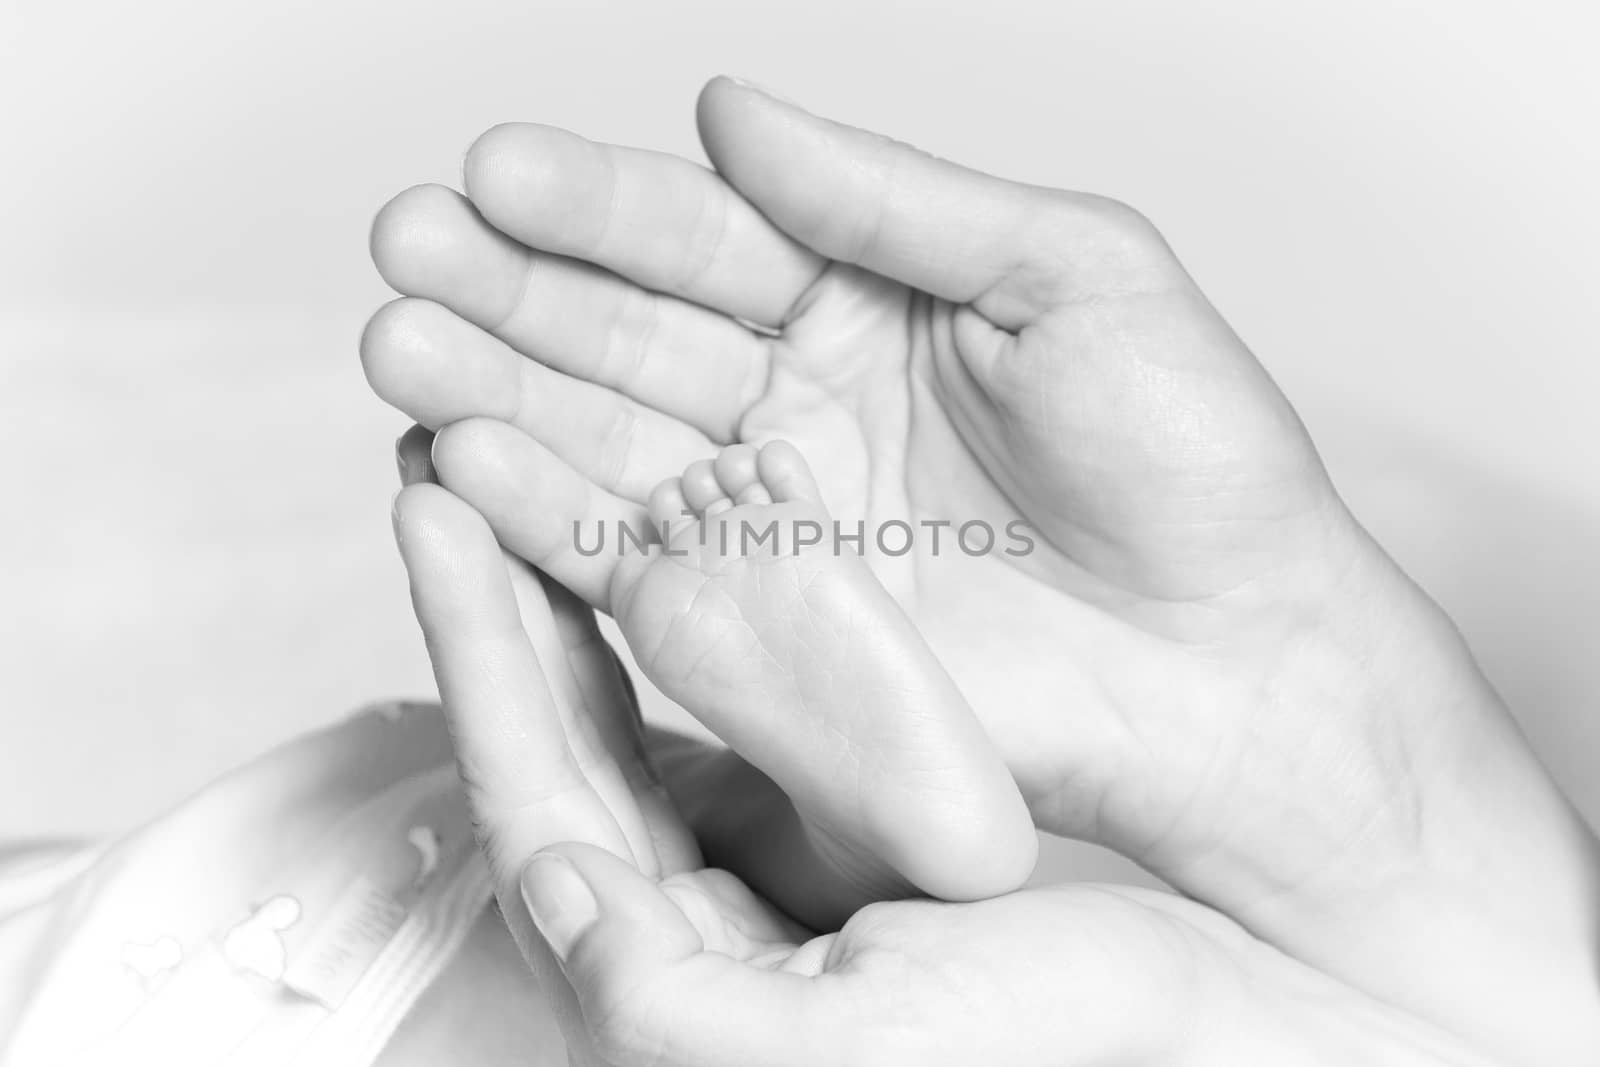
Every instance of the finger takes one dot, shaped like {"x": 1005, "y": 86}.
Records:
{"x": 676, "y": 357}
{"x": 548, "y": 633}
{"x": 525, "y": 786}
{"x": 651, "y": 992}
{"x": 538, "y": 505}
{"x": 440, "y": 369}
{"x": 614, "y": 710}
{"x": 611, "y": 726}
{"x": 1012, "y": 250}
{"x": 522, "y": 782}
{"x": 658, "y": 220}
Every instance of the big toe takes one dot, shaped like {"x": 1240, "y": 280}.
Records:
{"x": 786, "y": 473}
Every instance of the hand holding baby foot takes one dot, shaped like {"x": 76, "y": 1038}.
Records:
{"x": 882, "y": 783}
{"x": 1206, "y": 663}
{"x": 652, "y": 959}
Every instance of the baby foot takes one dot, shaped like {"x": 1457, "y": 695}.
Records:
{"x": 752, "y": 615}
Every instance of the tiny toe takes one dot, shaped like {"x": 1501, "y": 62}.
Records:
{"x": 786, "y": 474}
{"x": 667, "y": 506}
{"x": 755, "y": 494}
{"x": 736, "y": 469}
{"x": 700, "y": 486}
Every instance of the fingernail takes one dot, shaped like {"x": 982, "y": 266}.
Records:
{"x": 400, "y": 458}
{"x": 749, "y": 83}
{"x": 559, "y": 900}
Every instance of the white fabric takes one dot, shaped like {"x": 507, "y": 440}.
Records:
{"x": 293, "y": 912}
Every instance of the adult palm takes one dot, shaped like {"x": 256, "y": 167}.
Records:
{"x": 943, "y": 346}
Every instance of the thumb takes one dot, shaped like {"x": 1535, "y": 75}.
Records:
{"x": 650, "y": 992}
{"x": 1012, "y": 250}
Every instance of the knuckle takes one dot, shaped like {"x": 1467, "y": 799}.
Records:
{"x": 1102, "y": 245}
{"x": 709, "y": 236}
{"x": 629, "y": 337}
{"x": 1074, "y": 212}
{"x": 1119, "y": 215}
{"x": 618, "y": 445}
{"x": 1129, "y": 232}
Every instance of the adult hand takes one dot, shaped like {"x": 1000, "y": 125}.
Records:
{"x": 652, "y": 959}
{"x": 1205, "y": 664}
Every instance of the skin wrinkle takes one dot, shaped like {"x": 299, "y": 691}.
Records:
{"x": 869, "y": 231}
{"x": 1410, "y": 826}
{"x": 965, "y": 427}
{"x": 613, "y": 194}
{"x": 1111, "y": 542}
{"x": 913, "y": 589}
{"x": 639, "y": 317}
{"x": 1212, "y": 769}
{"x": 1008, "y": 285}
{"x": 524, "y": 295}
{"x": 517, "y": 396}
{"x": 694, "y": 272}
{"x": 1330, "y": 850}
{"x": 619, "y": 445}
{"x": 757, "y": 380}
{"x": 1056, "y": 800}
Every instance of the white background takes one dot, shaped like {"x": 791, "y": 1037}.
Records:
{"x": 1394, "y": 202}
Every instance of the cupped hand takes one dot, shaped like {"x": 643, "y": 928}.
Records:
{"x": 943, "y": 347}
{"x": 651, "y": 958}
{"x": 1204, "y": 662}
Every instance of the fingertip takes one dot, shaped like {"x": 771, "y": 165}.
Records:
{"x": 423, "y": 508}
{"x": 721, "y": 83}
{"x": 413, "y": 226}
{"x": 426, "y": 360}
{"x": 709, "y": 103}
{"x": 632, "y": 927}
{"x": 435, "y": 532}
{"x": 486, "y": 157}
{"x": 728, "y": 90}
{"x": 1018, "y": 858}
{"x": 716, "y": 94}
{"x": 522, "y": 169}
{"x": 430, "y": 241}
{"x": 410, "y": 503}
{"x": 559, "y": 901}
{"x": 386, "y": 341}
{"x": 991, "y": 854}
{"x": 471, "y": 452}
{"x": 723, "y": 103}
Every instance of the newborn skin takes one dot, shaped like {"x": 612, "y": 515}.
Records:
{"x": 796, "y": 656}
